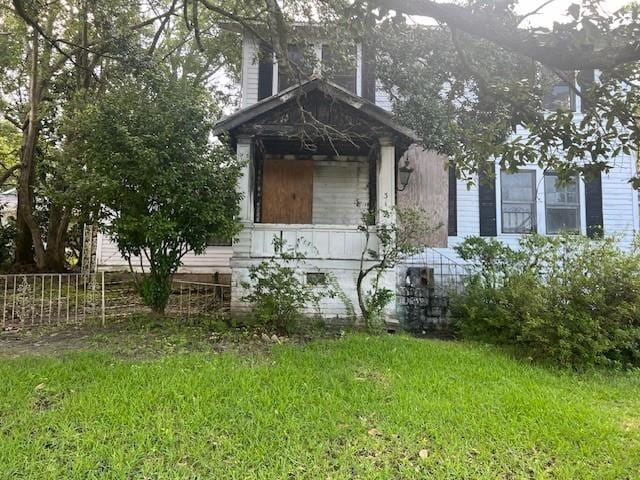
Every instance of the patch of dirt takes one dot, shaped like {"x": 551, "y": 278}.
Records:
{"x": 20, "y": 341}
{"x": 142, "y": 338}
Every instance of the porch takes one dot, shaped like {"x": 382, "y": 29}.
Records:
{"x": 315, "y": 160}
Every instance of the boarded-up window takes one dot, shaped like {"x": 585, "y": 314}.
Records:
{"x": 287, "y": 191}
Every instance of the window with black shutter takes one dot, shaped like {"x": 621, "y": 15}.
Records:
{"x": 487, "y": 198}
{"x": 453, "y": 202}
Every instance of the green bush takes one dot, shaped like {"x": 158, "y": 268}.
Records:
{"x": 278, "y": 291}
{"x": 564, "y": 299}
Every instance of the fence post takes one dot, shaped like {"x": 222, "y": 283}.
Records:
{"x": 103, "y": 302}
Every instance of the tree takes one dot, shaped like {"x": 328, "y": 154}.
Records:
{"x": 481, "y": 71}
{"x": 400, "y": 233}
{"x": 162, "y": 188}
{"x": 53, "y": 54}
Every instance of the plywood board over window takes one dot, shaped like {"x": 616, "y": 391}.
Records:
{"x": 287, "y": 191}
{"x": 428, "y": 189}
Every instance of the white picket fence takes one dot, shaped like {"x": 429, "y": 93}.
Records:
{"x": 78, "y": 298}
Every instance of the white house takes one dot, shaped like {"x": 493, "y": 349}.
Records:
{"x": 302, "y": 181}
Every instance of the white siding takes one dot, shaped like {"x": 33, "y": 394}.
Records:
{"x": 250, "y": 67}
{"x": 382, "y": 97}
{"x": 337, "y": 186}
{"x": 619, "y": 206}
{"x": 214, "y": 259}
{"x": 619, "y": 200}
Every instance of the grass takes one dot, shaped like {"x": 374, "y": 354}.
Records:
{"x": 354, "y": 407}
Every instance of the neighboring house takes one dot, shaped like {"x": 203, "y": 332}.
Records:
{"x": 296, "y": 192}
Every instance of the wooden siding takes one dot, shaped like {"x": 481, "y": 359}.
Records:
{"x": 250, "y": 67}
{"x": 337, "y": 186}
{"x": 214, "y": 259}
{"x": 326, "y": 241}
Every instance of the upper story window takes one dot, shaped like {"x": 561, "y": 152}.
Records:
{"x": 518, "y": 191}
{"x": 302, "y": 65}
{"x": 562, "y": 204}
{"x": 561, "y": 95}
{"x": 340, "y": 66}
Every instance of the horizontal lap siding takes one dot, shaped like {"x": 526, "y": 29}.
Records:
{"x": 337, "y": 186}
{"x": 250, "y": 69}
{"x": 382, "y": 98}
{"x": 619, "y": 200}
{"x": 214, "y": 259}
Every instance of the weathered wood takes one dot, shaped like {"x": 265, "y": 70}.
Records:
{"x": 287, "y": 191}
{"x": 428, "y": 189}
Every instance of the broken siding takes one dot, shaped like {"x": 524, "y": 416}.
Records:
{"x": 337, "y": 186}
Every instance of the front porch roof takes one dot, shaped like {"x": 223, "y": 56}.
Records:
{"x": 303, "y": 110}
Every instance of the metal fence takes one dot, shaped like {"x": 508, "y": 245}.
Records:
{"x": 77, "y": 298}
{"x": 425, "y": 285}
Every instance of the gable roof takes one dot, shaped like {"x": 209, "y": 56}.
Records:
{"x": 358, "y": 104}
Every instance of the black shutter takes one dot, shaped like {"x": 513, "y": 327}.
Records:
{"x": 487, "y": 197}
{"x": 453, "y": 202}
{"x": 586, "y": 78}
{"x": 593, "y": 206}
{"x": 265, "y": 72}
{"x": 368, "y": 72}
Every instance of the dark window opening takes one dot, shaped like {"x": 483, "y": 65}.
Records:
{"x": 316, "y": 278}
{"x": 339, "y": 66}
{"x": 301, "y": 62}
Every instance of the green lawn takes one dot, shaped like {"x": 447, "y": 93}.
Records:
{"x": 356, "y": 407}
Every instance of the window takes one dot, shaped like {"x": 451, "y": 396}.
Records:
{"x": 218, "y": 241}
{"x": 316, "y": 278}
{"x": 339, "y": 66}
{"x": 518, "y": 201}
{"x": 302, "y": 60}
{"x": 562, "y": 204}
{"x": 559, "y": 94}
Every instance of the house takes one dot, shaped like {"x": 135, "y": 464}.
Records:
{"x": 312, "y": 150}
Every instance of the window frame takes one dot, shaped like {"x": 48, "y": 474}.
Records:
{"x": 578, "y": 205}
{"x": 534, "y": 202}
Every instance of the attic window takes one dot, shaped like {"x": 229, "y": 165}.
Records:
{"x": 339, "y": 66}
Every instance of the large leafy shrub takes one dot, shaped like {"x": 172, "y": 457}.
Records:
{"x": 564, "y": 299}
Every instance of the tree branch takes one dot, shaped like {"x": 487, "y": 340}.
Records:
{"x": 488, "y": 26}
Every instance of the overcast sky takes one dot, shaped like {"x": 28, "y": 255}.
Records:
{"x": 557, "y": 9}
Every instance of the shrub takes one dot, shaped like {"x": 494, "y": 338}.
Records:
{"x": 565, "y": 299}
{"x": 277, "y": 289}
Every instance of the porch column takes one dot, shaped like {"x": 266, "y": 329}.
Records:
{"x": 386, "y": 175}
{"x": 244, "y": 152}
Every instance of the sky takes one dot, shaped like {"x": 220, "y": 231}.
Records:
{"x": 557, "y": 9}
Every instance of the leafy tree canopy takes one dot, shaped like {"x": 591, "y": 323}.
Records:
{"x": 162, "y": 187}
{"x": 472, "y": 82}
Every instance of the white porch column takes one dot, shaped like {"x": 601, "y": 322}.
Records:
{"x": 244, "y": 153}
{"x": 386, "y": 175}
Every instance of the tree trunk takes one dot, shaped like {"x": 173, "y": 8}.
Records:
{"x": 30, "y": 135}
{"x": 23, "y": 255}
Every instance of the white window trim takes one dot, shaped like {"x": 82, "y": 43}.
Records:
{"x": 317, "y": 49}
{"x": 541, "y": 224}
